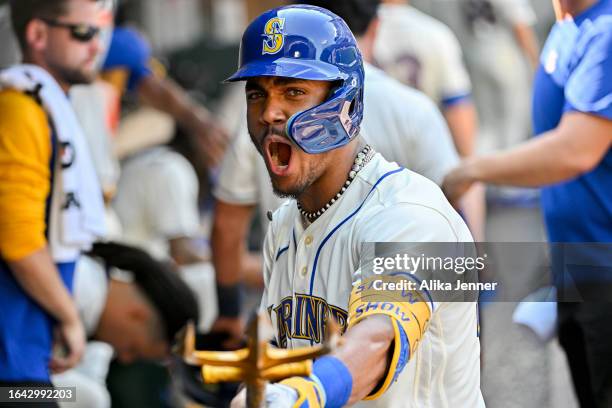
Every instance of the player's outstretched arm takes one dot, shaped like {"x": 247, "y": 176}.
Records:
{"x": 375, "y": 349}
{"x": 357, "y": 370}
{"x": 366, "y": 354}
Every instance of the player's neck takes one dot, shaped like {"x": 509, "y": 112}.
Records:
{"x": 330, "y": 183}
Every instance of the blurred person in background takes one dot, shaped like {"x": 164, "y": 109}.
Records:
{"x": 401, "y": 123}
{"x": 156, "y": 199}
{"x": 422, "y": 52}
{"x": 130, "y": 68}
{"x": 132, "y": 307}
{"x": 501, "y": 54}
{"x": 501, "y": 51}
{"x": 157, "y": 196}
{"x": 51, "y": 204}
{"x": 571, "y": 160}
{"x": 157, "y": 204}
{"x": 494, "y": 35}
{"x": 155, "y": 207}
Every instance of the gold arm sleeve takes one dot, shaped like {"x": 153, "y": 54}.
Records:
{"x": 407, "y": 309}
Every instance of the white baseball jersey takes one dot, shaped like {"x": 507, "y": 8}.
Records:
{"x": 157, "y": 199}
{"x": 422, "y": 52}
{"x": 502, "y": 96}
{"x": 401, "y": 123}
{"x": 309, "y": 271}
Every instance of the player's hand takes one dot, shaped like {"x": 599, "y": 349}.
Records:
{"x": 69, "y": 345}
{"x": 277, "y": 396}
{"x": 234, "y": 327}
{"x": 457, "y": 182}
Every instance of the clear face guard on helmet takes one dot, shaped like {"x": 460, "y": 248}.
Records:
{"x": 326, "y": 126}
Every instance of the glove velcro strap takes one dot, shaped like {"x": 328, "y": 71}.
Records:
{"x": 309, "y": 394}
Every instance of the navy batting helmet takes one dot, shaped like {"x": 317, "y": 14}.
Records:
{"x": 312, "y": 43}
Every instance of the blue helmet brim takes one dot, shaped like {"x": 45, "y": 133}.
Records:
{"x": 288, "y": 67}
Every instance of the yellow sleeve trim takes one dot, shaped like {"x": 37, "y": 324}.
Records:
{"x": 407, "y": 309}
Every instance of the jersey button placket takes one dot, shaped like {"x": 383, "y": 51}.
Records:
{"x": 302, "y": 251}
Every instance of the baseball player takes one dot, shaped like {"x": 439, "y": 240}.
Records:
{"x": 400, "y": 123}
{"x": 422, "y": 52}
{"x": 304, "y": 89}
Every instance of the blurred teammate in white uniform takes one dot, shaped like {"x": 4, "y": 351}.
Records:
{"x": 501, "y": 53}
{"x": 422, "y": 52}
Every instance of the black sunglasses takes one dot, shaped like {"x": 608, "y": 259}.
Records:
{"x": 79, "y": 32}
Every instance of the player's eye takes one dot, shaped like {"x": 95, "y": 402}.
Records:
{"x": 254, "y": 95}
{"x": 295, "y": 92}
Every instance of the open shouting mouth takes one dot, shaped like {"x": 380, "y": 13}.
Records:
{"x": 278, "y": 151}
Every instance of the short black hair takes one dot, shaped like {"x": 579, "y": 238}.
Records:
{"x": 358, "y": 14}
{"x": 158, "y": 281}
{"x": 24, "y": 11}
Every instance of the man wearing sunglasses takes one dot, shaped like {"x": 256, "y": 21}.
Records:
{"x": 50, "y": 202}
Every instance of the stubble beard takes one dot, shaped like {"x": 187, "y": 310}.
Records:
{"x": 74, "y": 76}
{"x": 298, "y": 188}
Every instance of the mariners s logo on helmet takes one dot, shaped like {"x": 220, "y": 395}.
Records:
{"x": 273, "y": 36}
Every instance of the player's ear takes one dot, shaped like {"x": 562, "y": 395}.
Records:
{"x": 36, "y": 35}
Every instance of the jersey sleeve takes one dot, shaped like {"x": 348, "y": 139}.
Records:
{"x": 455, "y": 82}
{"x": 130, "y": 51}
{"x": 414, "y": 227}
{"x": 410, "y": 308}
{"x": 25, "y": 155}
{"x": 434, "y": 151}
{"x": 589, "y": 88}
{"x": 174, "y": 211}
{"x": 237, "y": 182}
